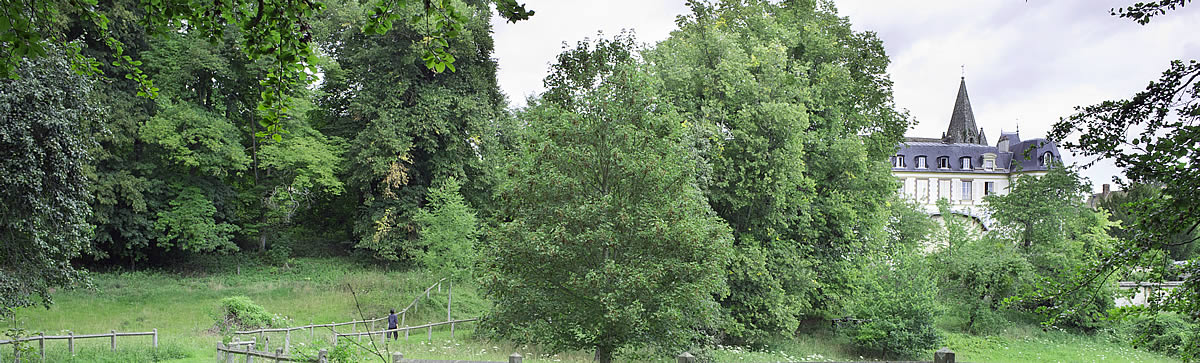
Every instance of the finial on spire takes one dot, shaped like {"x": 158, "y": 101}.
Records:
{"x": 964, "y": 71}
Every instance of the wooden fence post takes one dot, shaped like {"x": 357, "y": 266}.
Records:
{"x": 287, "y": 340}
{"x": 321, "y": 356}
{"x": 113, "y": 343}
{"x": 267, "y": 344}
{"x": 334, "y": 329}
{"x": 220, "y": 353}
{"x": 354, "y": 329}
{"x": 402, "y": 315}
{"x": 944, "y": 355}
{"x": 685, "y": 357}
{"x": 451, "y": 330}
{"x": 71, "y": 342}
{"x": 42, "y": 345}
{"x": 249, "y": 358}
{"x": 430, "y": 337}
{"x": 406, "y": 329}
{"x": 397, "y": 357}
{"x": 449, "y": 295}
{"x": 514, "y": 358}
{"x": 278, "y": 354}
{"x": 229, "y": 356}
{"x": 156, "y": 337}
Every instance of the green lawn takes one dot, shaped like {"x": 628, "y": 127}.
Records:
{"x": 181, "y": 307}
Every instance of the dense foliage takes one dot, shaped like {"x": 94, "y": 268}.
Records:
{"x": 44, "y": 199}
{"x": 728, "y": 185}
{"x": 607, "y": 243}
{"x": 1154, "y": 137}
{"x": 791, "y": 126}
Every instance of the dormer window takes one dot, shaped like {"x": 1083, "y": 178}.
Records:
{"x": 989, "y": 161}
{"x": 1046, "y": 159}
{"x": 943, "y": 162}
{"x": 965, "y": 163}
{"x": 898, "y": 161}
{"x": 921, "y": 163}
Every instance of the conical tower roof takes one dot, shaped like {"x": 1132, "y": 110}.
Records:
{"x": 962, "y": 121}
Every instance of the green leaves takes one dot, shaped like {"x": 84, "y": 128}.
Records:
{"x": 606, "y": 242}
{"x": 44, "y": 156}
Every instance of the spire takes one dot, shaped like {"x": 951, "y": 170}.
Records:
{"x": 962, "y": 121}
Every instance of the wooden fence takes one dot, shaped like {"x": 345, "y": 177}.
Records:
{"x": 229, "y": 353}
{"x": 70, "y": 338}
{"x": 383, "y": 333}
{"x": 354, "y": 324}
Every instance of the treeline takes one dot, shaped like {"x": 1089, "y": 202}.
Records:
{"x": 725, "y": 185}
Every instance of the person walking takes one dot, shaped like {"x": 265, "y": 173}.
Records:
{"x": 393, "y": 324}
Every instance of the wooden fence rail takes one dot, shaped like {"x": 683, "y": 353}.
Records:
{"x": 383, "y": 333}
{"x": 70, "y": 338}
{"x": 229, "y": 353}
{"x": 403, "y": 315}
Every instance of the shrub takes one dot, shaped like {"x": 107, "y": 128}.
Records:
{"x": 1163, "y": 332}
{"x": 239, "y": 312}
{"x": 897, "y": 299}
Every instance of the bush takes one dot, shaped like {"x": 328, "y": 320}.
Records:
{"x": 239, "y": 312}
{"x": 897, "y": 299}
{"x": 1163, "y": 332}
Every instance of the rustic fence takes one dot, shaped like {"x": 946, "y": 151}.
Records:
{"x": 368, "y": 325}
{"x": 384, "y": 333}
{"x": 70, "y": 338}
{"x": 229, "y": 353}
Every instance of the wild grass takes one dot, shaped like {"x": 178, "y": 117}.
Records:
{"x": 182, "y": 306}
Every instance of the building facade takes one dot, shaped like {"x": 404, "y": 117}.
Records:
{"x": 962, "y": 167}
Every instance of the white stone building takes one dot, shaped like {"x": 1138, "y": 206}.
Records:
{"x": 963, "y": 168}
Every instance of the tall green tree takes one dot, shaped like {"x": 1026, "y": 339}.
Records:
{"x": 406, "y": 127}
{"x": 1060, "y": 237}
{"x": 43, "y": 181}
{"x": 1154, "y": 137}
{"x": 607, "y": 242}
{"x": 792, "y": 111}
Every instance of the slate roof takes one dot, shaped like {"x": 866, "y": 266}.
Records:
{"x": 962, "y": 127}
{"x": 1006, "y": 162}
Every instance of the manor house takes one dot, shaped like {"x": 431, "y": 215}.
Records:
{"x": 962, "y": 167}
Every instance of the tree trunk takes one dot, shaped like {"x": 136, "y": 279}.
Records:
{"x": 604, "y": 354}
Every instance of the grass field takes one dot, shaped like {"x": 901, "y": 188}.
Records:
{"x": 182, "y": 307}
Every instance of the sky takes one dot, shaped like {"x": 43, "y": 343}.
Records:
{"x": 1026, "y": 63}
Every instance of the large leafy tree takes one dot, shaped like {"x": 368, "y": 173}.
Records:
{"x": 607, "y": 242}
{"x": 1060, "y": 236}
{"x": 43, "y": 157}
{"x": 406, "y": 128}
{"x": 792, "y": 111}
{"x": 1154, "y": 137}
{"x": 277, "y": 32}
{"x": 185, "y": 173}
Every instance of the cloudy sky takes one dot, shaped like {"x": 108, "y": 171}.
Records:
{"x": 1027, "y": 63}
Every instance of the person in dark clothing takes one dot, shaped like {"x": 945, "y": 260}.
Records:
{"x": 393, "y": 324}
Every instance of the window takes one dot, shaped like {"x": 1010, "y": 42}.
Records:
{"x": 921, "y": 162}
{"x": 898, "y": 161}
{"x": 1046, "y": 159}
{"x": 966, "y": 190}
{"x": 966, "y": 163}
{"x": 989, "y": 164}
{"x": 989, "y": 188}
{"x": 943, "y": 162}
{"x": 944, "y": 189}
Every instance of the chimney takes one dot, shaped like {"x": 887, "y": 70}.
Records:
{"x": 1106, "y": 190}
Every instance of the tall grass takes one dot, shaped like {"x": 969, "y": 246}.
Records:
{"x": 183, "y": 307}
